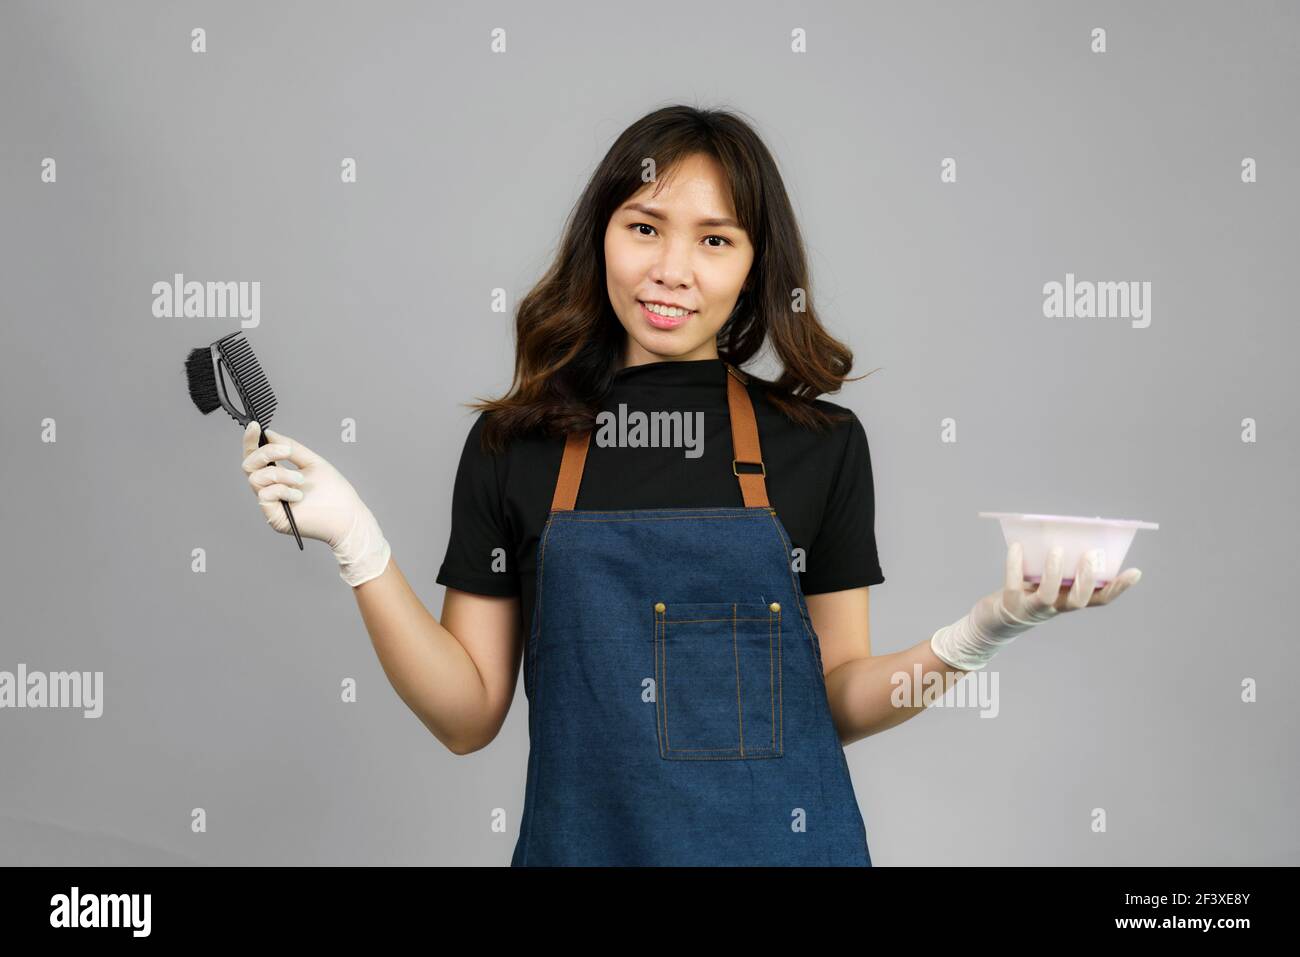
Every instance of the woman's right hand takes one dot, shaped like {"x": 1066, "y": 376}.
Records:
{"x": 325, "y": 505}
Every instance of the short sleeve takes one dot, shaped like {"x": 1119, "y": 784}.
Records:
{"x": 480, "y": 555}
{"x": 843, "y": 555}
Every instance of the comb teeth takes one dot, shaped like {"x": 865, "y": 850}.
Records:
{"x": 250, "y": 380}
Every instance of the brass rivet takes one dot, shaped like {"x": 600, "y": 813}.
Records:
{"x": 660, "y": 606}
{"x": 775, "y": 606}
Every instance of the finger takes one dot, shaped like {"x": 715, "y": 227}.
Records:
{"x": 1050, "y": 585}
{"x": 1014, "y": 573}
{"x": 1098, "y": 567}
{"x": 261, "y": 458}
{"x": 1084, "y": 576}
{"x": 275, "y": 473}
{"x": 1117, "y": 586}
{"x": 276, "y": 493}
{"x": 249, "y": 441}
{"x": 1054, "y": 571}
{"x": 1125, "y": 581}
{"x": 298, "y": 454}
{"x": 1108, "y": 591}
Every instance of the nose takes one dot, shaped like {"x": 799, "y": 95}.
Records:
{"x": 672, "y": 268}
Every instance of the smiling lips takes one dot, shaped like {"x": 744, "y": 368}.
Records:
{"x": 675, "y": 317}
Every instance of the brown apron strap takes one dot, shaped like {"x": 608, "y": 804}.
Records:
{"x": 744, "y": 442}
{"x": 566, "y": 485}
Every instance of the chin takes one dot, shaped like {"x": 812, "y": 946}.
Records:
{"x": 662, "y": 349}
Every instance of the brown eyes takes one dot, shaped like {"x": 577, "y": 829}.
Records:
{"x": 714, "y": 236}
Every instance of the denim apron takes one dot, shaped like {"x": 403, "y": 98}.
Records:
{"x": 677, "y": 712}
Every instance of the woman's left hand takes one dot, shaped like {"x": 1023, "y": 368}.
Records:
{"x": 997, "y": 618}
{"x": 1015, "y": 608}
{"x": 1082, "y": 593}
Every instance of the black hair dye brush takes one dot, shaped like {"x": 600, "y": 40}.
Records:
{"x": 232, "y": 353}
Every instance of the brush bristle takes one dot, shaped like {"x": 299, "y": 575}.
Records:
{"x": 250, "y": 380}
{"x": 202, "y": 380}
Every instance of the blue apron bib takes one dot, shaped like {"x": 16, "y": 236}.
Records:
{"x": 677, "y": 709}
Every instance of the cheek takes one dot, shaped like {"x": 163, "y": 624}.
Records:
{"x": 721, "y": 290}
{"x": 713, "y": 321}
{"x": 621, "y": 265}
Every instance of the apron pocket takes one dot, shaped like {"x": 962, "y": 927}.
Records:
{"x": 718, "y": 680}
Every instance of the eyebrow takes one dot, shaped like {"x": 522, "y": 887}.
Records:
{"x": 651, "y": 211}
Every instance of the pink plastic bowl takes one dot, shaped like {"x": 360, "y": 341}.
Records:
{"x": 1076, "y": 534}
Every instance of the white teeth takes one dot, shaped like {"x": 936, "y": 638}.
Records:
{"x": 670, "y": 312}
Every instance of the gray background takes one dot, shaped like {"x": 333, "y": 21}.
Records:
{"x": 222, "y": 689}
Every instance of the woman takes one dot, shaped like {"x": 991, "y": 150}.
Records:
{"x": 697, "y": 652}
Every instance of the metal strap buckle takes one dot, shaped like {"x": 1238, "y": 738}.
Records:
{"x": 762, "y": 468}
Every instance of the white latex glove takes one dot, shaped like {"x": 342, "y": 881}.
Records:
{"x": 325, "y": 505}
{"x": 998, "y": 618}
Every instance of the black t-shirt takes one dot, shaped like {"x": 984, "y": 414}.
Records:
{"x": 819, "y": 483}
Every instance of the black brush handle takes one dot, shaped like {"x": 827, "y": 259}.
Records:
{"x": 261, "y": 441}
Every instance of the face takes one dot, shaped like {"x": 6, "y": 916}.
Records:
{"x": 683, "y": 248}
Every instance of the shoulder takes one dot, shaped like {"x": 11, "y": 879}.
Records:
{"x": 845, "y": 437}
{"x": 518, "y": 457}
{"x": 837, "y": 453}
{"x": 842, "y": 427}
{"x": 481, "y": 442}
{"x": 473, "y": 448}
{"x": 479, "y": 462}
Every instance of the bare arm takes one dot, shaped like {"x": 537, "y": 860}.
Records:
{"x": 860, "y": 686}
{"x": 458, "y": 676}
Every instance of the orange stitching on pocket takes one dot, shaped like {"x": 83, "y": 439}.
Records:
{"x": 738, "y": 751}
{"x": 661, "y": 707}
{"x": 780, "y": 675}
{"x": 771, "y": 678}
{"x": 740, "y": 709}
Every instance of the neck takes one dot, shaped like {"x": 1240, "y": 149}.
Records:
{"x": 636, "y": 355}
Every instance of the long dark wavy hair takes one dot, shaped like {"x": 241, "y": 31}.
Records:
{"x": 568, "y": 340}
